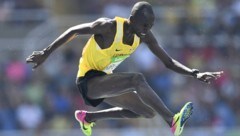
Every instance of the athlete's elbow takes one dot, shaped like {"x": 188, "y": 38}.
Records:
{"x": 72, "y": 31}
{"x": 169, "y": 64}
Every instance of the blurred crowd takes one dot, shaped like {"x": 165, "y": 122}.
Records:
{"x": 204, "y": 35}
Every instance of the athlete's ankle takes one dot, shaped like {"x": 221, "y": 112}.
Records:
{"x": 169, "y": 121}
{"x": 88, "y": 118}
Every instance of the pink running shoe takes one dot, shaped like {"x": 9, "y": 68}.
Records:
{"x": 85, "y": 126}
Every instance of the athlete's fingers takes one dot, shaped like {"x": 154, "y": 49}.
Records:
{"x": 210, "y": 75}
{"x": 29, "y": 60}
{"x": 218, "y": 76}
{"x": 205, "y": 81}
{"x": 35, "y": 53}
{"x": 38, "y": 53}
{"x": 35, "y": 66}
{"x": 32, "y": 56}
{"x": 202, "y": 79}
{"x": 207, "y": 76}
{"x": 217, "y": 73}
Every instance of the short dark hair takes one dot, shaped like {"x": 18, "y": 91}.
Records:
{"x": 142, "y": 8}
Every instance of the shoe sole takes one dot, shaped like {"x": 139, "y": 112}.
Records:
{"x": 187, "y": 112}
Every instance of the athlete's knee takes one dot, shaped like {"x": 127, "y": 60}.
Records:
{"x": 138, "y": 78}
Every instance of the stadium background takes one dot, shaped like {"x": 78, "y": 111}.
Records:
{"x": 202, "y": 34}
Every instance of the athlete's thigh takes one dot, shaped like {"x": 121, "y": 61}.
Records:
{"x": 130, "y": 101}
{"x": 110, "y": 85}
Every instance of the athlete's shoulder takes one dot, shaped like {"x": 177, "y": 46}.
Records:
{"x": 104, "y": 19}
{"x": 106, "y": 23}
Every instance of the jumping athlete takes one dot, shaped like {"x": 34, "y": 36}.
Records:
{"x": 112, "y": 41}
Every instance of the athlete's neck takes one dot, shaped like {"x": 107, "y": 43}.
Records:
{"x": 129, "y": 28}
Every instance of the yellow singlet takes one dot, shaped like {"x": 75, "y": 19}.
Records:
{"x": 95, "y": 58}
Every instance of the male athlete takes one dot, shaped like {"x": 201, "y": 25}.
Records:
{"x": 112, "y": 41}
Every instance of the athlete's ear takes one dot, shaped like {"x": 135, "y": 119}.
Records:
{"x": 131, "y": 18}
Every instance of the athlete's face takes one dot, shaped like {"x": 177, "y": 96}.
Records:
{"x": 142, "y": 24}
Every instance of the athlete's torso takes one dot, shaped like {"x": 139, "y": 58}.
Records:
{"x": 106, "y": 52}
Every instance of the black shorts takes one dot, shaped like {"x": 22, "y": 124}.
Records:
{"x": 82, "y": 86}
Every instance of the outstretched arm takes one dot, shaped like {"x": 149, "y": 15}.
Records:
{"x": 174, "y": 65}
{"x": 97, "y": 27}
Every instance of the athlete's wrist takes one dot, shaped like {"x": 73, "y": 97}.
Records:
{"x": 47, "y": 51}
{"x": 194, "y": 72}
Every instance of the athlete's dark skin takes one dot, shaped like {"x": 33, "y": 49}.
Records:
{"x": 129, "y": 93}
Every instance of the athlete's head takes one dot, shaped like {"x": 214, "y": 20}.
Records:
{"x": 142, "y": 18}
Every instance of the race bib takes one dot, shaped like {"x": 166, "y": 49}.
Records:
{"x": 115, "y": 61}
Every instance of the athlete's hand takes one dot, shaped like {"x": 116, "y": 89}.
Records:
{"x": 208, "y": 76}
{"x": 37, "y": 58}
